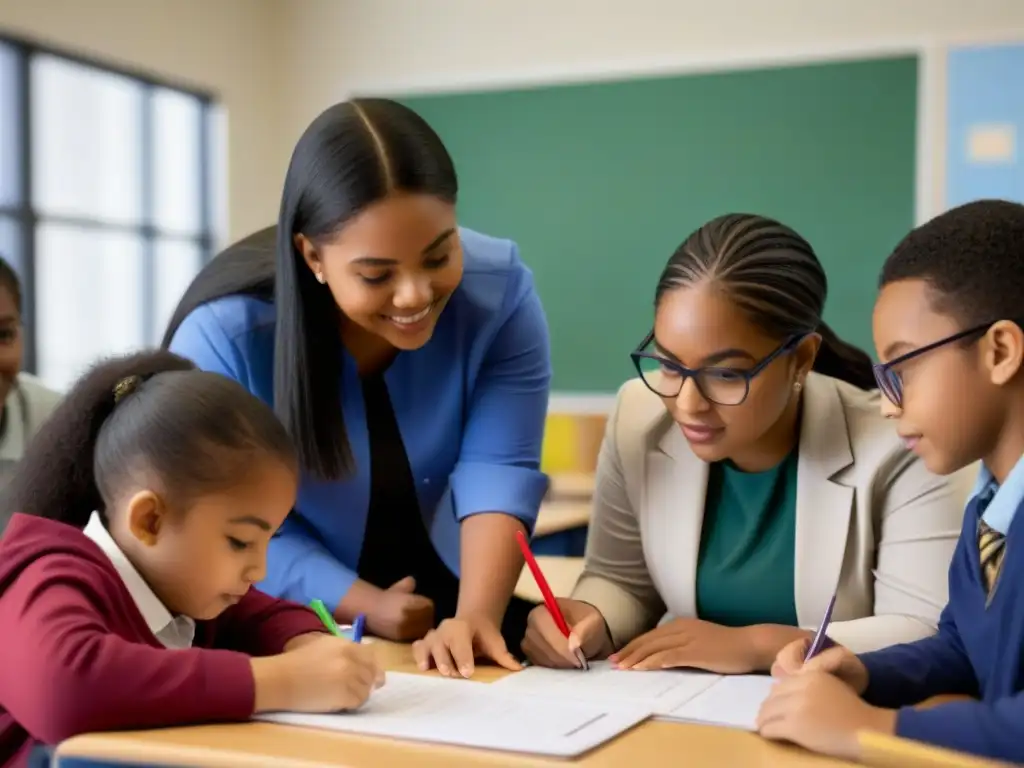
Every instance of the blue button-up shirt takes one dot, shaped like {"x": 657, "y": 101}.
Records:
{"x": 470, "y": 404}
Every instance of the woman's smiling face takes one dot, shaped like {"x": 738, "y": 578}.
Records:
{"x": 392, "y": 268}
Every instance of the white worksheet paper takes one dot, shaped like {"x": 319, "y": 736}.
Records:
{"x": 471, "y": 714}
{"x": 656, "y": 691}
{"x": 733, "y": 701}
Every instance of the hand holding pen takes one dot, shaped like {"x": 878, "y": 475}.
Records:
{"x": 322, "y": 613}
{"x": 820, "y": 654}
{"x": 322, "y": 673}
{"x": 554, "y": 611}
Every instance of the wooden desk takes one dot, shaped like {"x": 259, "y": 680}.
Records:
{"x": 881, "y": 751}
{"x": 561, "y": 573}
{"x": 257, "y": 745}
{"x": 571, "y": 485}
{"x": 562, "y": 515}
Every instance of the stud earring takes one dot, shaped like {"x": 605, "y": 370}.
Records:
{"x": 797, "y": 386}
{"x": 320, "y": 278}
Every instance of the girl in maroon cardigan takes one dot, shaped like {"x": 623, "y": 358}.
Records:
{"x": 144, "y": 508}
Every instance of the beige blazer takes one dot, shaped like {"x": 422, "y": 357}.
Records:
{"x": 872, "y": 524}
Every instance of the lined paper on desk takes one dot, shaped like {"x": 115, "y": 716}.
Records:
{"x": 469, "y": 714}
{"x": 680, "y": 695}
{"x": 658, "y": 691}
{"x": 733, "y": 701}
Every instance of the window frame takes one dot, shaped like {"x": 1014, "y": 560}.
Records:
{"x": 27, "y": 219}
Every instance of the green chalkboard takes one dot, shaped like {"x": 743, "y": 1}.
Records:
{"x": 599, "y": 183}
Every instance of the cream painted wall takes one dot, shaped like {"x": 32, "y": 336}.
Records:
{"x": 231, "y": 47}
{"x": 399, "y": 44}
{"x": 278, "y": 63}
{"x": 344, "y": 47}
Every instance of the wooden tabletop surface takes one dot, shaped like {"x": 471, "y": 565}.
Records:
{"x": 246, "y": 745}
{"x": 559, "y": 515}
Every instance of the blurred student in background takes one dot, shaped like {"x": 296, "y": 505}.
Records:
{"x": 26, "y": 402}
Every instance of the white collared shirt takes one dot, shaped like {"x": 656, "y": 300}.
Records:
{"x": 1006, "y": 498}
{"x": 175, "y": 632}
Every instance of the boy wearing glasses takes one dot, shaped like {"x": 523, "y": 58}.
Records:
{"x": 948, "y": 328}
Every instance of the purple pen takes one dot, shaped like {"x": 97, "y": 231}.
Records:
{"x": 821, "y": 641}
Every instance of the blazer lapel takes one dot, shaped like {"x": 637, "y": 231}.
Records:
{"x": 673, "y": 511}
{"x": 823, "y": 506}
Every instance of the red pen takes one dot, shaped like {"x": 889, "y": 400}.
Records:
{"x": 549, "y": 597}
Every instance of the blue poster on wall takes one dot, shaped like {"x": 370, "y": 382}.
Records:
{"x": 985, "y": 119}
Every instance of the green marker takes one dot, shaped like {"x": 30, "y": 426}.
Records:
{"x": 324, "y": 615}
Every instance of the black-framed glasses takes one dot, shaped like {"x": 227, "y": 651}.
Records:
{"x": 890, "y": 380}
{"x": 716, "y": 384}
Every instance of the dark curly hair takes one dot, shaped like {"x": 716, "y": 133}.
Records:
{"x": 972, "y": 257}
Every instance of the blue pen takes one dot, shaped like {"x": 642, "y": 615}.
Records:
{"x": 358, "y": 627}
{"x": 821, "y": 641}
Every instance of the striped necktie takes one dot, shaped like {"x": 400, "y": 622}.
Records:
{"x": 991, "y": 548}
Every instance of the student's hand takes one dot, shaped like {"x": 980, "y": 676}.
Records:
{"x": 400, "y": 614}
{"x": 819, "y": 712}
{"x": 836, "y": 661}
{"x": 456, "y": 644}
{"x": 546, "y": 646}
{"x": 791, "y": 658}
{"x": 324, "y": 674}
{"x": 694, "y": 643}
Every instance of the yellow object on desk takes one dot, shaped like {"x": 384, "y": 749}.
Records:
{"x": 572, "y": 442}
{"x": 257, "y": 745}
{"x": 558, "y": 453}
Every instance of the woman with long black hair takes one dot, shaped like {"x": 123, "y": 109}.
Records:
{"x": 409, "y": 360}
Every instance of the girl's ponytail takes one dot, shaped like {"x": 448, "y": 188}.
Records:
{"x": 56, "y": 479}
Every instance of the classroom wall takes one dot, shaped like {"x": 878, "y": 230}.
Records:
{"x": 231, "y": 47}
{"x": 356, "y": 47}
{"x": 277, "y": 64}
{"x": 457, "y": 42}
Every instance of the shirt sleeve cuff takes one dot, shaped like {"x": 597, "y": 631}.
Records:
{"x": 327, "y": 580}
{"x": 517, "y": 491}
{"x": 306, "y": 572}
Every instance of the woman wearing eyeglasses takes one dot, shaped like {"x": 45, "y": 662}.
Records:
{"x": 747, "y": 475}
